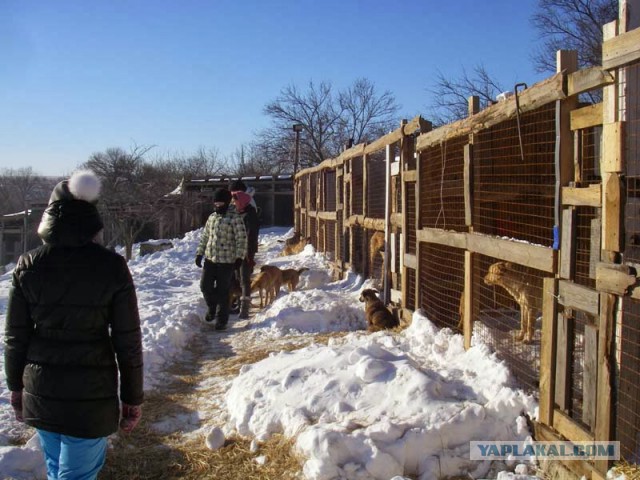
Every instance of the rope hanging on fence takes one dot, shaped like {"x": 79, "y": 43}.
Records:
{"x": 443, "y": 150}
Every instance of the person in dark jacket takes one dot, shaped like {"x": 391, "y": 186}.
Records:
{"x": 223, "y": 245}
{"x": 245, "y": 207}
{"x": 72, "y": 337}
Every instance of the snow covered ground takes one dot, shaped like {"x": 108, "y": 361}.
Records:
{"x": 377, "y": 405}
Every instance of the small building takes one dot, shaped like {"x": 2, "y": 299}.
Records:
{"x": 273, "y": 197}
{"x": 19, "y": 233}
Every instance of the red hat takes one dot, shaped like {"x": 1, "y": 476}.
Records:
{"x": 242, "y": 200}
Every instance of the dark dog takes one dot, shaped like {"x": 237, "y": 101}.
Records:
{"x": 377, "y": 315}
{"x": 291, "y": 277}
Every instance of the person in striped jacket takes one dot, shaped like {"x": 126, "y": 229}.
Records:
{"x": 223, "y": 246}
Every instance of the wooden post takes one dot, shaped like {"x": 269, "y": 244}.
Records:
{"x": 589, "y": 376}
{"x": 387, "y": 224}
{"x": 568, "y": 244}
{"x": 564, "y": 350}
{"x": 468, "y": 185}
{"x": 406, "y": 150}
{"x": 467, "y": 318}
{"x": 548, "y": 350}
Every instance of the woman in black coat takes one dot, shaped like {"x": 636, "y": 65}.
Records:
{"x": 73, "y": 335}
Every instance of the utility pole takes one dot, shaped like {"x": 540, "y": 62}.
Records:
{"x": 297, "y": 127}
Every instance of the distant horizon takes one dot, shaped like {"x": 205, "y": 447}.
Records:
{"x": 76, "y": 79}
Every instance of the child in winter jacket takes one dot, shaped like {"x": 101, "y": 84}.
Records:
{"x": 72, "y": 336}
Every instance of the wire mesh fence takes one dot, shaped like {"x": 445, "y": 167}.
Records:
{"x": 627, "y": 401}
{"x": 313, "y": 188}
{"x": 441, "y": 283}
{"x": 587, "y": 246}
{"x": 357, "y": 186}
{"x": 330, "y": 242}
{"x": 376, "y": 184}
{"x": 330, "y": 197}
{"x": 442, "y": 185}
{"x": 514, "y": 177}
{"x": 411, "y": 236}
{"x": 506, "y": 296}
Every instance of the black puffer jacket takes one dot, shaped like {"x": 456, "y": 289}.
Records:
{"x": 72, "y": 313}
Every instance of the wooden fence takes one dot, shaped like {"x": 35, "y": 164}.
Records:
{"x": 541, "y": 186}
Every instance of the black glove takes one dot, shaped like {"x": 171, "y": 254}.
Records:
{"x": 237, "y": 263}
{"x": 199, "y": 261}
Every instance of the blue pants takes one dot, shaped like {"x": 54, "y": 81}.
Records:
{"x": 72, "y": 458}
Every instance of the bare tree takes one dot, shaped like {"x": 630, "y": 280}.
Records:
{"x": 203, "y": 163}
{"x": 315, "y": 109}
{"x": 19, "y": 187}
{"x": 366, "y": 115}
{"x": 133, "y": 192}
{"x": 571, "y": 25}
{"x": 450, "y": 96}
{"x": 328, "y": 120}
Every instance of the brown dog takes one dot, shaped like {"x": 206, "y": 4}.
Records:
{"x": 291, "y": 277}
{"x": 516, "y": 284}
{"x": 377, "y": 315}
{"x": 296, "y": 247}
{"x": 267, "y": 283}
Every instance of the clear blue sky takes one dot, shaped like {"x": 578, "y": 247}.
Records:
{"x": 81, "y": 76}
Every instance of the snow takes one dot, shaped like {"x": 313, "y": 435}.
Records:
{"x": 382, "y": 406}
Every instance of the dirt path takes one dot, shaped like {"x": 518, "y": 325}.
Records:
{"x": 170, "y": 441}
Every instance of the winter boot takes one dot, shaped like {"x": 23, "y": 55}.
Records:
{"x": 245, "y": 305}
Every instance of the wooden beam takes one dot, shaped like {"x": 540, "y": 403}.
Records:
{"x": 564, "y": 349}
{"x": 614, "y": 278}
{"x": 541, "y": 93}
{"x": 604, "y": 427}
{"x": 548, "y": 350}
{"x": 468, "y": 184}
{"x": 595, "y": 250}
{"x": 588, "y": 79}
{"x": 590, "y": 376}
{"x": 410, "y": 261}
{"x": 613, "y": 145}
{"x": 366, "y": 222}
{"x": 409, "y": 176}
{"x": 611, "y": 212}
{"x": 586, "y": 117}
{"x": 570, "y": 429}
{"x": 333, "y": 216}
{"x": 621, "y": 50}
{"x": 467, "y": 318}
{"x": 572, "y": 295}
{"x": 610, "y": 92}
{"x": 533, "y": 256}
{"x": 581, "y": 468}
{"x": 568, "y": 244}
{"x": 590, "y": 196}
{"x": 442, "y": 237}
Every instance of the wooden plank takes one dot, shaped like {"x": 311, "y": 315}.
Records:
{"x": 564, "y": 346}
{"x": 442, "y": 237}
{"x": 586, "y": 117}
{"x": 588, "y": 79}
{"x": 612, "y": 150}
{"x": 579, "y": 467}
{"x": 570, "y": 429}
{"x": 396, "y": 220}
{"x": 594, "y": 252}
{"x": 614, "y": 278}
{"x": 541, "y": 93}
{"x": 611, "y": 213}
{"x": 590, "y": 376}
{"x": 467, "y": 317}
{"x": 572, "y": 295}
{"x": 621, "y": 50}
{"x": 333, "y": 216}
{"x": 548, "y": 350}
{"x": 566, "y": 60}
{"x": 533, "y": 256}
{"x": 468, "y": 184}
{"x": 604, "y": 427}
{"x": 610, "y": 92}
{"x": 410, "y": 261}
{"x": 366, "y": 222}
{"x": 409, "y": 176}
{"x": 590, "y": 196}
{"x": 568, "y": 244}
